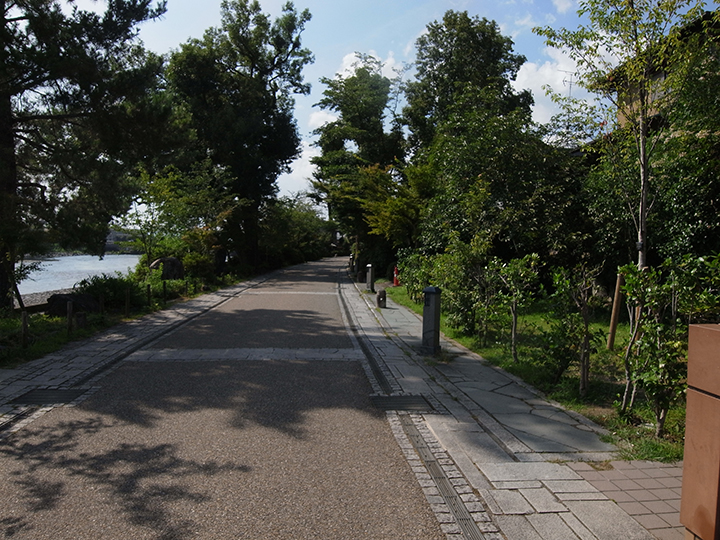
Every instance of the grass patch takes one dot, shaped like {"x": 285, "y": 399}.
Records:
{"x": 49, "y": 334}
{"x": 46, "y": 335}
{"x": 634, "y": 435}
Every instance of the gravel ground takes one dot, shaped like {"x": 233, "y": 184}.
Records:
{"x": 273, "y": 449}
{"x": 214, "y": 450}
{"x": 41, "y": 297}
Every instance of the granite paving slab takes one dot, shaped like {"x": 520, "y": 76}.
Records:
{"x": 539, "y": 433}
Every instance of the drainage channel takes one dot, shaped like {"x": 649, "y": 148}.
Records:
{"x": 374, "y": 366}
{"x": 464, "y": 520}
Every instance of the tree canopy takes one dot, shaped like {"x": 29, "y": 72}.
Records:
{"x": 74, "y": 89}
{"x": 459, "y": 54}
{"x": 237, "y": 82}
{"x": 624, "y": 56}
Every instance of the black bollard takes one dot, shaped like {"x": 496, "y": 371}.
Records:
{"x": 431, "y": 321}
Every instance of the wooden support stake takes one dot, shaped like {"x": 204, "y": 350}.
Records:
{"x": 617, "y": 300}
{"x": 69, "y": 317}
{"x": 25, "y": 329}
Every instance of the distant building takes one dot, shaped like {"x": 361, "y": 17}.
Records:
{"x": 114, "y": 241}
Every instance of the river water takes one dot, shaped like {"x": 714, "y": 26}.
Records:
{"x": 65, "y": 272}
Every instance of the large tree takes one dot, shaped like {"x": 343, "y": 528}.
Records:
{"x": 458, "y": 54}
{"x": 238, "y": 82}
{"x": 363, "y": 145}
{"x": 72, "y": 84}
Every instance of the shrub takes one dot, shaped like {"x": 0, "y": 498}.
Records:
{"x": 114, "y": 290}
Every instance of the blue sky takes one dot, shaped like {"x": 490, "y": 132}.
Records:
{"x": 387, "y": 29}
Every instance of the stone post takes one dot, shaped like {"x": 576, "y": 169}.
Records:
{"x": 69, "y": 317}
{"x": 370, "y": 278}
{"x": 25, "y": 329}
{"x": 431, "y": 321}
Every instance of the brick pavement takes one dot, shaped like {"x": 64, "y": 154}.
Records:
{"x": 648, "y": 491}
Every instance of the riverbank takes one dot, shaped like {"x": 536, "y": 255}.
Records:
{"x": 65, "y": 272}
{"x": 36, "y": 299}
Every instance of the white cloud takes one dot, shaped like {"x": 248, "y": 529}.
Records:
{"x": 299, "y": 178}
{"x": 320, "y": 118}
{"x": 409, "y": 50}
{"x": 346, "y": 66}
{"x": 526, "y": 22}
{"x": 349, "y": 61}
{"x": 389, "y": 65}
{"x": 556, "y": 73}
{"x": 563, "y": 6}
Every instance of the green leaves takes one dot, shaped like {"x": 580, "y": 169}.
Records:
{"x": 634, "y": 56}
{"x": 237, "y": 84}
{"x": 78, "y": 112}
{"x": 460, "y": 54}
{"x": 664, "y": 301}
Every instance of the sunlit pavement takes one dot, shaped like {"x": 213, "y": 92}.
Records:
{"x": 249, "y": 413}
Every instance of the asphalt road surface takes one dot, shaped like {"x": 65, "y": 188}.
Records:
{"x": 230, "y": 448}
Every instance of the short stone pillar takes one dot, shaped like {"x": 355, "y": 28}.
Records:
{"x": 431, "y": 321}
{"x": 370, "y": 278}
{"x": 700, "y": 504}
{"x": 382, "y": 299}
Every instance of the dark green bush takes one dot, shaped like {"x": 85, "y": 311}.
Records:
{"x": 114, "y": 290}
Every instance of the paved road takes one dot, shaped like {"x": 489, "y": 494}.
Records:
{"x": 251, "y": 421}
{"x": 246, "y": 413}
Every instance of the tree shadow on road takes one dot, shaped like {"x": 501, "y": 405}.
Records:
{"x": 248, "y": 326}
{"x": 275, "y": 394}
{"x": 48, "y": 463}
{"x": 47, "y": 466}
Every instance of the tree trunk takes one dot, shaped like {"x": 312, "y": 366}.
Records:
{"x": 513, "y": 331}
{"x": 627, "y": 397}
{"x": 644, "y": 181}
{"x": 660, "y": 418}
{"x": 9, "y": 227}
{"x": 585, "y": 354}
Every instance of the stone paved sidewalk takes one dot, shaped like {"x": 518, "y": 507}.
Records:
{"x": 541, "y": 471}
{"x": 78, "y": 363}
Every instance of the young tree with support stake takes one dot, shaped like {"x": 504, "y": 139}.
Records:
{"x": 636, "y": 55}
{"x": 622, "y": 57}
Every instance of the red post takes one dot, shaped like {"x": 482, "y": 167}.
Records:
{"x": 396, "y": 278}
